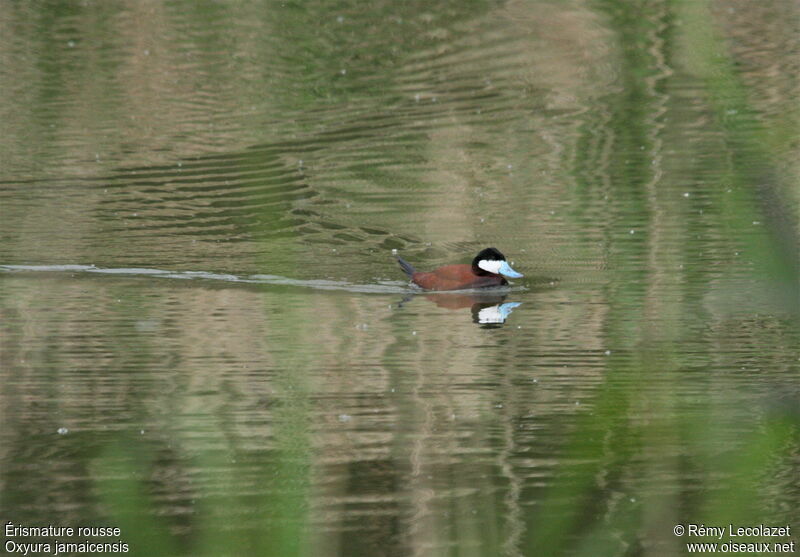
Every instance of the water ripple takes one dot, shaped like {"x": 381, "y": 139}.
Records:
{"x": 381, "y": 286}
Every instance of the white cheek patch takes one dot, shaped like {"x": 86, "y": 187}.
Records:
{"x": 490, "y": 266}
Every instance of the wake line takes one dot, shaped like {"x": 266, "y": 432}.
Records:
{"x": 382, "y": 287}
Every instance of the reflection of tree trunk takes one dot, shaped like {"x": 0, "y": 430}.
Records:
{"x": 515, "y": 523}
{"x": 662, "y": 303}
{"x": 423, "y": 531}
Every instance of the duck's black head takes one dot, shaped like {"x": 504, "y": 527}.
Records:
{"x": 491, "y": 262}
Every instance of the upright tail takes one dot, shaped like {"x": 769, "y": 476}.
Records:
{"x": 405, "y": 265}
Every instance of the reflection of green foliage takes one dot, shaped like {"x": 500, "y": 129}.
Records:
{"x": 621, "y": 437}
{"x": 271, "y": 516}
{"x": 248, "y": 502}
{"x": 366, "y": 43}
{"x": 775, "y": 255}
{"x": 122, "y": 489}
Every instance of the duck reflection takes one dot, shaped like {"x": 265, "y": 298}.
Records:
{"x": 488, "y": 309}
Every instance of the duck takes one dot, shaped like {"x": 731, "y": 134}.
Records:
{"x": 489, "y": 268}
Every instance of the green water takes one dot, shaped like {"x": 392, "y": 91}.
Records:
{"x": 205, "y": 340}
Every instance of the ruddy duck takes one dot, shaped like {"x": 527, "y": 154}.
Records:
{"x": 485, "y": 271}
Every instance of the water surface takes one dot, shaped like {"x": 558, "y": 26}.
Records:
{"x": 207, "y": 342}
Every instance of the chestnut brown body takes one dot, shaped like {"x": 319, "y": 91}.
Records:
{"x": 456, "y": 277}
